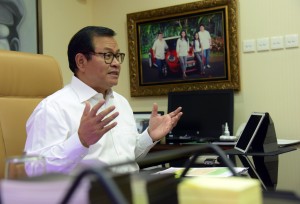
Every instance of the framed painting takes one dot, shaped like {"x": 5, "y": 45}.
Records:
{"x": 185, "y": 47}
{"x": 142, "y": 119}
{"x": 20, "y": 25}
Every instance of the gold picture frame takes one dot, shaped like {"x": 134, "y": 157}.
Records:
{"x": 150, "y": 77}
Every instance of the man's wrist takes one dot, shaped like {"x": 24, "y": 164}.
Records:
{"x": 83, "y": 142}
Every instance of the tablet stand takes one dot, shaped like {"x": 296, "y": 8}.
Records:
{"x": 264, "y": 151}
{"x": 265, "y": 169}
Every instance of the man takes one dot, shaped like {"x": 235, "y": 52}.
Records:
{"x": 159, "y": 48}
{"x": 11, "y": 14}
{"x": 87, "y": 120}
{"x": 205, "y": 40}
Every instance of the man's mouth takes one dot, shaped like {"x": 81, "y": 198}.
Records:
{"x": 116, "y": 73}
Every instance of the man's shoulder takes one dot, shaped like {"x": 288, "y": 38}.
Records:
{"x": 60, "y": 95}
{"x": 117, "y": 95}
{"x": 156, "y": 41}
{"x": 120, "y": 97}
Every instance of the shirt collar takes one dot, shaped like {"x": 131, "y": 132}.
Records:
{"x": 85, "y": 92}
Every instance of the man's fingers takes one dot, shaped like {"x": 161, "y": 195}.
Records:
{"x": 95, "y": 109}
{"x": 86, "y": 108}
{"x": 104, "y": 113}
{"x": 154, "y": 110}
{"x": 176, "y": 118}
{"x": 107, "y": 128}
{"x": 175, "y": 112}
{"x": 107, "y": 120}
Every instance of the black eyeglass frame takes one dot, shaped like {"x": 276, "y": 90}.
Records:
{"x": 119, "y": 56}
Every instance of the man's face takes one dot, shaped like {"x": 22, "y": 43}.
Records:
{"x": 4, "y": 33}
{"x": 160, "y": 36}
{"x": 201, "y": 28}
{"x": 98, "y": 74}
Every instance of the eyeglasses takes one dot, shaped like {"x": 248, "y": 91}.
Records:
{"x": 109, "y": 56}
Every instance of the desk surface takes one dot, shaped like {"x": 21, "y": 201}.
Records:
{"x": 288, "y": 167}
{"x": 280, "y": 150}
{"x": 224, "y": 146}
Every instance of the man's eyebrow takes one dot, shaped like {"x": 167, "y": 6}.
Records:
{"x": 111, "y": 50}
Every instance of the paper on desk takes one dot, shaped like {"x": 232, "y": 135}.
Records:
{"x": 206, "y": 171}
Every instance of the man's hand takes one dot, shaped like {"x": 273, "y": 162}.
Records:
{"x": 161, "y": 125}
{"x": 93, "y": 126}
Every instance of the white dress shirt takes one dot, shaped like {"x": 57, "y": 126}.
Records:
{"x": 205, "y": 39}
{"x": 52, "y": 131}
{"x": 159, "y": 47}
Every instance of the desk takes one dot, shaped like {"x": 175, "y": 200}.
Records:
{"x": 279, "y": 172}
{"x": 162, "y": 147}
{"x": 262, "y": 166}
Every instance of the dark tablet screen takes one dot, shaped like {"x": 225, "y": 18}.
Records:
{"x": 249, "y": 132}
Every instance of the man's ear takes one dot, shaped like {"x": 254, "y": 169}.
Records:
{"x": 80, "y": 60}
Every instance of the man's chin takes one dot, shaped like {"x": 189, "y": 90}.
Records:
{"x": 113, "y": 83}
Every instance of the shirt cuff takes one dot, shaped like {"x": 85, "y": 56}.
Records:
{"x": 74, "y": 148}
{"x": 145, "y": 138}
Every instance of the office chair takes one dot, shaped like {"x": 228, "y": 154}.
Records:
{"x": 25, "y": 79}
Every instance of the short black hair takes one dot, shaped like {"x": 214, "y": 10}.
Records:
{"x": 82, "y": 42}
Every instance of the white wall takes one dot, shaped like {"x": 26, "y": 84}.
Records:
{"x": 269, "y": 80}
{"x": 60, "y": 21}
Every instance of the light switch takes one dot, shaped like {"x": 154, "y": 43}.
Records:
{"x": 291, "y": 40}
{"x": 276, "y": 42}
{"x": 249, "y": 45}
{"x": 262, "y": 44}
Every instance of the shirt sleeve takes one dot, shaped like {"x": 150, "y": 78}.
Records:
{"x": 154, "y": 45}
{"x": 49, "y": 136}
{"x": 146, "y": 143}
{"x": 209, "y": 37}
{"x": 166, "y": 45}
{"x": 143, "y": 141}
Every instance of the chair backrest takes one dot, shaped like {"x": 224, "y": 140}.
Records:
{"x": 25, "y": 79}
